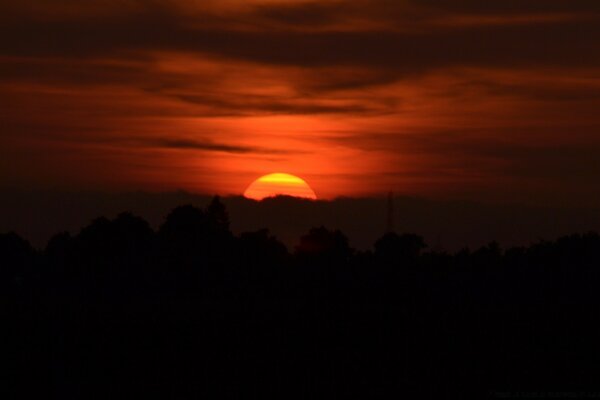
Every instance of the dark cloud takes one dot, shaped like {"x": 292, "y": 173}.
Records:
{"x": 570, "y": 42}
{"x": 305, "y": 14}
{"x": 510, "y": 6}
{"x": 248, "y": 105}
{"x": 188, "y": 144}
{"x": 414, "y": 53}
{"x": 485, "y": 154}
{"x": 72, "y": 72}
{"x": 402, "y": 44}
{"x": 548, "y": 93}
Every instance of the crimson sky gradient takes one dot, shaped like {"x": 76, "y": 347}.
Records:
{"x": 495, "y": 101}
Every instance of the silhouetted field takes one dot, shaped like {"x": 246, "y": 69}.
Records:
{"x": 191, "y": 311}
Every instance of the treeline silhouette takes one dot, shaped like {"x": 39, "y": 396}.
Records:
{"x": 191, "y": 310}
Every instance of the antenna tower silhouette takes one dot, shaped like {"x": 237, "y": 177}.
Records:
{"x": 390, "y": 213}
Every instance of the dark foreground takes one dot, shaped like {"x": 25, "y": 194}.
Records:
{"x": 190, "y": 311}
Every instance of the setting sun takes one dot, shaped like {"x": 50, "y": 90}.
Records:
{"x": 278, "y": 184}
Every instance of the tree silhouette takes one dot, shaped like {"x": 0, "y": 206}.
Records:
{"x": 16, "y": 255}
{"x": 395, "y": 249}
{"x": 323, "y": 244}
{"x": 217, "y": 215}
{"x": 262, "y": 249}
{"x": 194, "y": 311}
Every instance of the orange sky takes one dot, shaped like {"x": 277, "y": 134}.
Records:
{"x": 435, "y": 98}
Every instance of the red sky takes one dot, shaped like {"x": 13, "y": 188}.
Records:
{"x": 438, "y": 98}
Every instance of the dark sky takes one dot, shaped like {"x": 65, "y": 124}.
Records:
{"x": 495, "y": 101}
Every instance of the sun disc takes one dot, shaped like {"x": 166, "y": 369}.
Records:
{"x": 279, "y": 184}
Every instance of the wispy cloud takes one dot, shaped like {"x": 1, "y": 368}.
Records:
{"x": 188, "y": 144}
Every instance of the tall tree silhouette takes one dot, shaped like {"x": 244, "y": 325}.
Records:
{"x": 217, "y": 215}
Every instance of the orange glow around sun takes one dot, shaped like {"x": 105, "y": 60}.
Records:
{"x": 278, "y": 184}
